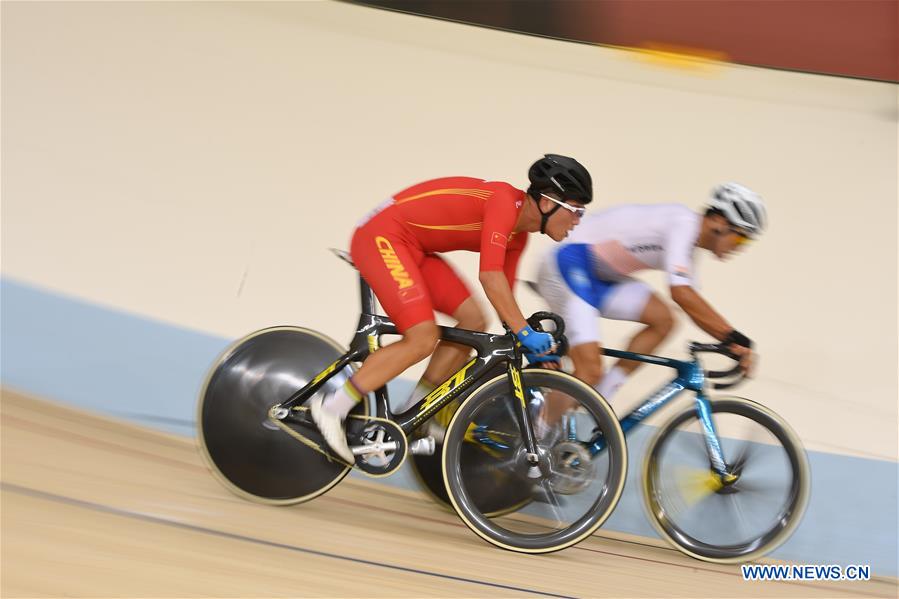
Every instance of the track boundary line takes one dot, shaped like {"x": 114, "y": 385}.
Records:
{"x": 98, "y": 507}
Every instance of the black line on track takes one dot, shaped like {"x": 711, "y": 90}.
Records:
{"x": 97, "y": 507}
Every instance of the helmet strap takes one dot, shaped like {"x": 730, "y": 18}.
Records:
{"x": 544, "y": 216}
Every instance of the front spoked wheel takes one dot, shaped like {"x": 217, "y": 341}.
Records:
{"x": 574, "y": 491}
{"x": 748, "y": 513}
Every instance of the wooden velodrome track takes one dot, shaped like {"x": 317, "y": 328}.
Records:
{"x": 93, "y": 507}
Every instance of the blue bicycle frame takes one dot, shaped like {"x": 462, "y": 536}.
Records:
{"x": 690, "y": 377}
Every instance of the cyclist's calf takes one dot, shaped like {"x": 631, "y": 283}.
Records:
{"x": 587, "y": 361}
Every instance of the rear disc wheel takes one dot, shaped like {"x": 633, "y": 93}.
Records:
{"x": 247, "y": 453}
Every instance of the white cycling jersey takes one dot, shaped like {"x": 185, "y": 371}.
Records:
{"x": 635, "y": 237}
{"x": 621, "y": 240}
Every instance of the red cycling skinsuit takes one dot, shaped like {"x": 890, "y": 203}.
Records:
{"x": 395, "y": 247}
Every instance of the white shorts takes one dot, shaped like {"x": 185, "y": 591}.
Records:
{"x": 625, "y": 301}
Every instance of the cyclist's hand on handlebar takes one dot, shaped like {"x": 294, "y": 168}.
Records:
{"x": 747, "y": 357}
{"x": 534, "y": 342}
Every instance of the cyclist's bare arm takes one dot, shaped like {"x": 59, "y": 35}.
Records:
{"x": 700, "y": 311}
{"x": 707, "y": 319}
{"x": 496, "y": 286}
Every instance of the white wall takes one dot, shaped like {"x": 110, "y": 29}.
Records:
{"x": 190, "y": 162}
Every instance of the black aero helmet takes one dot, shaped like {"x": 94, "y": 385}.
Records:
{"x": 562, "y": 175}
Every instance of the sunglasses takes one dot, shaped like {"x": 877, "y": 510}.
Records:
{"x": 742, "y": 236}
{"x": 578, "y": 211}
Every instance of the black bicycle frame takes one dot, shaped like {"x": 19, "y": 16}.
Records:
{"x": 493, "y": 351}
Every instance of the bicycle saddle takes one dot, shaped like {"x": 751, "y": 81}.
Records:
{"x": 343, "y": 255}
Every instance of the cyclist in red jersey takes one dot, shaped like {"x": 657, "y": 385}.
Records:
{"x": 396, "y": 250}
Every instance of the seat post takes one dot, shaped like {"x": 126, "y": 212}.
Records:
{"x": 366, "y": 296}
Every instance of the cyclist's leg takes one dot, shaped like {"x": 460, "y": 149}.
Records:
{"x": 448, "y": 357}
{"x": 390, "y": 267}
{"x": 580, "y": 316}
{"x": 581, "y": 328}
{"x": 417, "y": 343}
{"x": 393, "y": 270}
{"x": 585, "y": 344}
{"x": 587, "y": 361}
{"x": 450, "y": 296}
{"x": 634, "y": 301}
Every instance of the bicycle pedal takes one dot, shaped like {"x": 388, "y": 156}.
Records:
{"x": 423, "y": 446}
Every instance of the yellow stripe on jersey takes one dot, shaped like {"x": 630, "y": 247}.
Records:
{"x": 482, "y": 194}
{"x": 465, "y": 227}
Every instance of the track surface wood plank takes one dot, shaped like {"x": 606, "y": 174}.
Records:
{"x": 94, "y": 507}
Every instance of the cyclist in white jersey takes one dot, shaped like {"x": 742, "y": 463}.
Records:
{"x": 590, "y": 275}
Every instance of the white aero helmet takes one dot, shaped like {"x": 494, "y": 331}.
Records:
{"x": 741, "y": 206}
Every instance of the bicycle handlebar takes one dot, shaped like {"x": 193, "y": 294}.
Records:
{"x": 535, "y": 322}
{"x": 537, "y": 317}
{"x": 558, "y": 333}
{"x": 720, "y": 348}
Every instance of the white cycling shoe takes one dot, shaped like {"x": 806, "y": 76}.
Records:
{"x": 331, "y": 427}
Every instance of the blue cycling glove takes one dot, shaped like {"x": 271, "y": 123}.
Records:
{"x": 534, "y": 342}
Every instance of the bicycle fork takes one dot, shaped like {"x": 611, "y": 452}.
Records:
{"x": 524, "y": 421}
{"x": 712, "y": 444}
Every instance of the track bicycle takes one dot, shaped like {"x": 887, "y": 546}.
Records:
{"x": 509, "y": 483}
{"x": 725, "y": 481}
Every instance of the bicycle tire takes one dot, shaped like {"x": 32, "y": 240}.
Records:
{"x": 428, "y": 472}
{"x": 785, "y": 522}
{"x": 496, "y": 530}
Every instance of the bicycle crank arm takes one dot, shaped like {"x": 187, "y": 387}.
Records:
{"x": 374, "y": 448}
{"x": 423, "y": 446}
